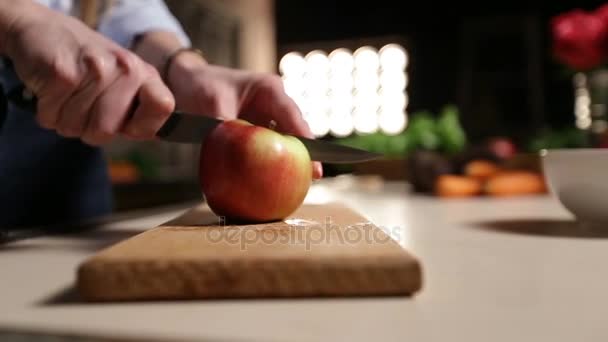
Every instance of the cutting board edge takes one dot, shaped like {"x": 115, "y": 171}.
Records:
{"x": 239, "y": 280}
{"x": 92, "y": 276}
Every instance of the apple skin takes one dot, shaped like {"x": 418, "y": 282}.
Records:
{"x": 252, "y": 173}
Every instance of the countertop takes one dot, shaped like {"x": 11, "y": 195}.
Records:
{"x": 512, "y": 269}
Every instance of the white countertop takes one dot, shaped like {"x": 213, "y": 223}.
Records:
{"x": 515, "y": 269}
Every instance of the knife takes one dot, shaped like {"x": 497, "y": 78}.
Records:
{"x": 189, "y": 128}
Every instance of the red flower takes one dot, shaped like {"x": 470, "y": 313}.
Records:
{"x": 602, "y": 13}
{"x": 579, "y": 38}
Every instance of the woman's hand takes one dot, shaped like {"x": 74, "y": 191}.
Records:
{"x": 227, "y": 93}
{"x": 85, "y": 83}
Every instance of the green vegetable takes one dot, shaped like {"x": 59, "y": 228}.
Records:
{"x": 453, "y": 138}
{"x": 559, "y": 138}
{"x": 399, "y": 145}
{"x": 423, "y": 130}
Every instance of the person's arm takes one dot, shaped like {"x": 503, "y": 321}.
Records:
{"x": 147, "y": 27}
{"x": 10, "y": 12}
{"x": 84, "y": 82}
{"x": 198, "y": 86}
{"x": 157, "y": 46}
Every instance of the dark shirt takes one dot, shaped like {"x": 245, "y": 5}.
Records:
{"x": 46, "y": 179}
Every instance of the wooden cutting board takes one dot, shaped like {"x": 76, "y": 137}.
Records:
{"x": 319, "y": 251}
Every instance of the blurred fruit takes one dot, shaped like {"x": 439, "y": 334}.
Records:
{"x": 515, "y": 182}
{"x": 502, "y": 147}
{"x": 123, "y": 172}
{"x": 471, "y": 153}
{"x": 424, "y": 167}
{"x": 457, "y": 186}
{"x": 481, "y": 169}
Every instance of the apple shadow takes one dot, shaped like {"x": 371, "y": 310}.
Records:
{"x": 546, "y": 227}
{"x": 203, "y": 217}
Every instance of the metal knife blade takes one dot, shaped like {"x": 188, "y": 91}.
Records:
{"x": 189, "y": 128}
{"x": 192, "y": 129}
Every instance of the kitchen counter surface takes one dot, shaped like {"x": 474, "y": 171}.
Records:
{"x": 516, "y": 269}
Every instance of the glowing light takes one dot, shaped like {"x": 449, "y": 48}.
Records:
{"x": 393, "y": 57}
{"x": 393, "y": 100}
{"x": 367, "y": 102}
{"x": 583, "y": 123}
{"x": 317, "y": 63}
{"x": 341, "y": 61}
{"x": 292, "y": 63}
{"x": 366, "y": 80}
{"x": 319, "y": 125}
{"x": 341, "y": 123}
{"x": 317, "y": 104}
{"x": 393, "y": 79}
{"x": 315, "y": 83}
{"x": 582, "y": 102}
{"x": 366, "y": 58}
{"x": 342, "y": 91}
{"x": 341, "y": 101}
{"x": 294, "y": 86}
{"x": 341, "y": 82}
{"x": 365, "y": 121}
{"x": 392, "y": 122}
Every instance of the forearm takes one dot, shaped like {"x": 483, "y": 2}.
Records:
{"x": 155, "y": 47}
{"x": 11, "y": 15}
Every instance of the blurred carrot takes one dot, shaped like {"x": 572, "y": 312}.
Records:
{"x": 481, "y": 169}
{"x": 457, "y": 186}
{"x": 515, "y": 182}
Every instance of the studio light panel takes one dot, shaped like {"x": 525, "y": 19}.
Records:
{"x": 341, "y": 92}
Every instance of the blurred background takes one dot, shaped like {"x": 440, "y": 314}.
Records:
{"x": 393, "y": 77}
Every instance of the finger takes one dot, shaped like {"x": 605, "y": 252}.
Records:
{"x": 269, "y": 106}
{"x": 295, "y": 124}
{"x": 270, "y": 102}
{"x": 154, "y": 107}
{"x": 317, "y": 170}
{"x": 62, "y": 80}
{"x": 101, "y": 72}
{"x": 110, "y": 109}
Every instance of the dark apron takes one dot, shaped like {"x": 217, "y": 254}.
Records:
{"x": 46, "y": 179}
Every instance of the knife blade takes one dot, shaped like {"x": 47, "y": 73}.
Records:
{"x": 188, "y": 128}
{"x": 192, "y": 129}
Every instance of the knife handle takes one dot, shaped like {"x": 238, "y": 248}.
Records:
{"x": 23, "y": 98}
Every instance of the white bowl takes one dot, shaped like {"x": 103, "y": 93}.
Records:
{"x": 579, "y": 180}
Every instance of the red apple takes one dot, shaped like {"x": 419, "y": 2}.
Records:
{"x": 253, "y": 173}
